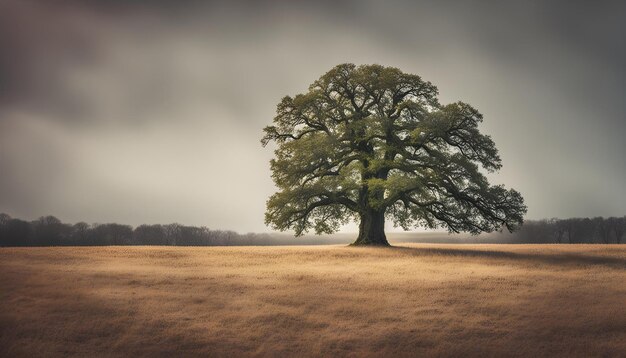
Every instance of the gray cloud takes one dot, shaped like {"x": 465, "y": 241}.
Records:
{"x": 152, "y": 111}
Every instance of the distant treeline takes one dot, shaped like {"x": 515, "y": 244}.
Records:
{"x": 50, "y": 231}
{"x": 596, "y": 230}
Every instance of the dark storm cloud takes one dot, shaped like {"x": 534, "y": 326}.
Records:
{"x": 146, "y": 111}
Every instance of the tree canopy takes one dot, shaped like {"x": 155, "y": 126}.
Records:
{"x": 370, "y": 142}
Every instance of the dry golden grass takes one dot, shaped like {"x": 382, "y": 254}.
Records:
{"x": 432, "y": 300}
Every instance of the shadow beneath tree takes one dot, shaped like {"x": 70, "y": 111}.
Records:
{"x": 554, "y": 258}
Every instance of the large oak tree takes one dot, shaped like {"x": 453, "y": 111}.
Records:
{"x": 369, "y": 143}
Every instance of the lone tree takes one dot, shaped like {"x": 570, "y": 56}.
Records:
{"x": 371, "y": 143}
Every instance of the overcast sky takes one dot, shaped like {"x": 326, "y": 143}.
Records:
{"x": 151, "y": 112}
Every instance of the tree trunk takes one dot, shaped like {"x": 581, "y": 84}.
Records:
{"x": 372, "y": 229}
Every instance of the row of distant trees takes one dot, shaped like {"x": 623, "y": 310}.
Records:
{"x": 50, "y": 231}
{"x": 569, "y": 231}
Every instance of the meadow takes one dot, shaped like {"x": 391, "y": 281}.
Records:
{"x": 485, "y": 300}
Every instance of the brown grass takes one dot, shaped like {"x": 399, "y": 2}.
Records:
{"x": 432, "y": 300}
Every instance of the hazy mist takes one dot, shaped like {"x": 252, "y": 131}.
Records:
{"x": 144, "y": 113}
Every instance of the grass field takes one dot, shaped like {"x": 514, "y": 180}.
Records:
{"x": 433, "y": 300}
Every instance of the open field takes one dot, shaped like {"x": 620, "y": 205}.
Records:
{"x": 419, "y": 299}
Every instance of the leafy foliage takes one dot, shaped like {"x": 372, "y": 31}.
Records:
{"x": 374, "y": 139}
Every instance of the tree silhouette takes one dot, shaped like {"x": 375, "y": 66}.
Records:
{"x": 371, "y": 142}
{"x": 618, "y": 225}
